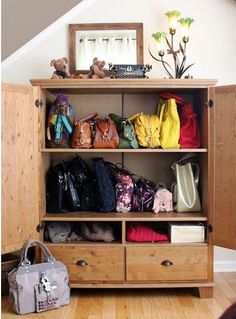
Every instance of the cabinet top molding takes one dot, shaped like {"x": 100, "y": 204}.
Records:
{"x": 123, "y": 83}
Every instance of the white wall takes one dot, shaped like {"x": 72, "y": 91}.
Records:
{"x": 212, "y": 45}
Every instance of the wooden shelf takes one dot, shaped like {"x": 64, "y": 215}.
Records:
{"x": 120, "y": 150}
{"x": 125, "y": 84}
{"x": 132, "y": 216}
{"x": 83, "y": 242}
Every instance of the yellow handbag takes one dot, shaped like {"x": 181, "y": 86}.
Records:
{"x": 147, "y": 128}
{"x": 170, "y": 124}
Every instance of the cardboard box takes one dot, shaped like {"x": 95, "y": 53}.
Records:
{"x": 186, "y": 232}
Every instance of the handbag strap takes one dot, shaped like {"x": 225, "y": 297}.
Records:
{"x": 197, "y": 168}
{"x": 179, "y": 100}
{"x": 25, "y": 261}
{"x": 183, "y": 159}
{"x": 86, "y": 118}
{"x": 133, "y": 117}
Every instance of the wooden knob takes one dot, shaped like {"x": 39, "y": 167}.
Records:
{"x": 167, "y": 263}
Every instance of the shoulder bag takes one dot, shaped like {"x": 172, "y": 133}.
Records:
{"x": 185, "y": 189}
{"x": 126, "y": 131}
{"x": 189, "y": 126}
{"x": 147, "y": 128}
{"x": 38, "y": 287}
{"x": 82, "y": 135}
{"x": 169, "y": 123}
{"x": 106, "y": 135}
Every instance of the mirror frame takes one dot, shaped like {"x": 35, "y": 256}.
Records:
{"x": 138, "y": 27}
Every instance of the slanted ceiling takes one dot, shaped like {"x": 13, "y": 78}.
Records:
{"x": 23, "y": 20}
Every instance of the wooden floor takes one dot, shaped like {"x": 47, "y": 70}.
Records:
{"x": 141, "y": 303}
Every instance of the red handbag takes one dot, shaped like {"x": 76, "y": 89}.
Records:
{"x": 189, "y": 127}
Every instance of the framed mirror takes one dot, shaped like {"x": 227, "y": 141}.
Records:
{"x": 116, "y": 43}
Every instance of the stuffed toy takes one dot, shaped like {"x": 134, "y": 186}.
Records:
{"x": 61, "y": 71}
{"x": 97, "y": 70}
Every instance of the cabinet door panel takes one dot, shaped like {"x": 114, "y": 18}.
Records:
{"x": 20, "y": 213}
{"x": 222, "y": 166}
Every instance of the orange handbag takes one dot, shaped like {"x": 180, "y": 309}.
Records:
{"x": 82, "y": 135}
{"x": 106, "y": 135}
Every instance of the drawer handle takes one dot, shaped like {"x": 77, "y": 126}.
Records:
{"x": 167, "y": 263}
{"x": 82, "y": 263}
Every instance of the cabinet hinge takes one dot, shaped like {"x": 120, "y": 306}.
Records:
{"x": 40, "y": 227}
{"x": 38, "y": 103}
{"x": 209, "y": 103}
{"x": 209, "y": 228}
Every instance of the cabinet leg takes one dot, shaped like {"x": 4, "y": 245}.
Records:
{"x": 205, "y": 292}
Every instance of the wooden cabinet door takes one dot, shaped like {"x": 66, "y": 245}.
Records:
{"x": 20, "y": 198}
{"x": 222, "y": 166}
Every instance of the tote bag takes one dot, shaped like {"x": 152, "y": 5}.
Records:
{"x": 185, "y": 189}
{"x": 169, "y": 123}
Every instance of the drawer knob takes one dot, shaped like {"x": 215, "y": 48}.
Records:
{"x": 82, "y": 262}
{"x": 167, "y": 263}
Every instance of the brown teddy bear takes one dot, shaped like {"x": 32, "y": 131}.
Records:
{"x": 61, "y": 69}
{"x": 97, "y": 70}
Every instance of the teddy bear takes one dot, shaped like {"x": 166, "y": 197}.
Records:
{"x": 61, "y": 71}
{"x": 97, "y": 70}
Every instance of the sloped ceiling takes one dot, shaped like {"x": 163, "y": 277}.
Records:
{"x": 22, "y": 20}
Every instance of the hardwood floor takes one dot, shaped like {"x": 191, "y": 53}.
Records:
{"x": 141, "y": 303}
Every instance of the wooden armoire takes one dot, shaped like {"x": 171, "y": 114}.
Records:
{"x": 25, "y": 161}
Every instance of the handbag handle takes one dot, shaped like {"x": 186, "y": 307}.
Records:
{"x": 25, "y": 261}
{"x": 133, "y": 117}
{"x": 183, "y": 158}
{"x": 179, "y": 100}
{"x": 197, "y": 168}
{"x": 86, "y": 118}
{"x": 196, "y": 173}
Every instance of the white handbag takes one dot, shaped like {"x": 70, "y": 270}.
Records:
{"x": 185, "y": 190}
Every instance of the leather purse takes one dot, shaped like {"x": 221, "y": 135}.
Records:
{"x": 185, "y": 190}
{"x": 38, "y": 287}
{"x": 82, "y": 135}
{"x": 106, "y": 135}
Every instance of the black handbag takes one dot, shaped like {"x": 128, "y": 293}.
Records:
{"x": 61, "y": 193}
{"x": 84, "y": 181}
{"x": 105, "y": 189}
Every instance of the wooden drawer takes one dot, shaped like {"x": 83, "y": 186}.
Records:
{"x": 91, "y": 264}
{"x": 166, "y": 263}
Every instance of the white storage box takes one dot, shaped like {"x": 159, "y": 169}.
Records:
{"x": 186, "y": 233}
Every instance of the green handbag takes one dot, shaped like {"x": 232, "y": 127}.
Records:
{"x": 125, "y": 131}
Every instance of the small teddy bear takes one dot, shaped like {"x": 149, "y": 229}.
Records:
{"x": 97, "y": 70}
{"x": 61, "y": 69}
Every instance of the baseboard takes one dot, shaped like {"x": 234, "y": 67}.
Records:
{"x": 225, "y": 266}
